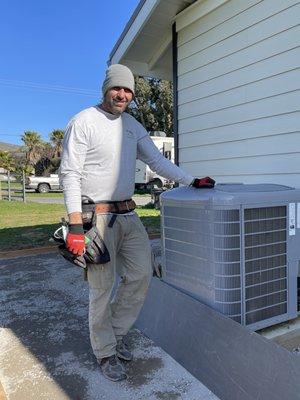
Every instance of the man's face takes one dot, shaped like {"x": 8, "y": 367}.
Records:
{"x": 116, "y": 100}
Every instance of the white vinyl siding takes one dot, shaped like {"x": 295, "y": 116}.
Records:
{"x": 239, "y": 92}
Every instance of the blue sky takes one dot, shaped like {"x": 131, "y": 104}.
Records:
{"x": 50, "y": 53}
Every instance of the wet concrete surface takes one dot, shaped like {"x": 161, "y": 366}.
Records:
{"x": 44, "y": 342}
{"x": 286, "y": 334}
{"x": 290, "y": 341}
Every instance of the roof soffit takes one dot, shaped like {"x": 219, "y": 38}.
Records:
{"x": 148, "y": 39}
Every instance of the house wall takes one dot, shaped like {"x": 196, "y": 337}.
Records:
{"x": 239, "y": 91}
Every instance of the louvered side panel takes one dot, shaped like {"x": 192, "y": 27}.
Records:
{"x": 188, "y": 250}
{"x": 265, "y": 255}
{"x": 227, "y": 263}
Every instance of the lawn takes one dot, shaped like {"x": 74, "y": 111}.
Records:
{"x": 13, "y": 185}
{"x": 31, "y": 224}
{"x": 47, "y": 195}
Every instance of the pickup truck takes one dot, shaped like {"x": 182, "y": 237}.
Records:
{"x": 43, "y": 184}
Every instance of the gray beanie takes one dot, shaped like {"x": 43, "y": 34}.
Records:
{"x": 118, "y": 75}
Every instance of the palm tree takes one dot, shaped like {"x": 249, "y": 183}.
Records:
{"x": 34, "y": 146}
{"x": 56, "y": 137}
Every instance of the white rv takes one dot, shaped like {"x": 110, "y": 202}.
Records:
{"x": 144, "y": 176}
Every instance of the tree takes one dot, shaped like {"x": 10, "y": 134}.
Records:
{"x": 15, "y": 163}
{"x": 34, "y": 146}
{"x": 7, "y": 161}
{"x": 46, "y": 154}
{"x": 163, "y": 99}
{"x": 21, "y": 165}
{"x": 56, "y": 138}
{"x": 153, "y": 104}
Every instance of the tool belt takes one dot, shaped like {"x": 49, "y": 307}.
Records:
{"x": 96, "y": 251}
{"x": 115, "y": 207}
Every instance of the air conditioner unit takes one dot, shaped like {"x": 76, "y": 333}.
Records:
{"x": 236, "y": 248}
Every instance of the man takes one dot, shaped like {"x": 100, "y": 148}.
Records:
{"x": 101, "y": 145}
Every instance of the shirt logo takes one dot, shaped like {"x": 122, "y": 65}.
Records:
{"x": 130, "y": 134}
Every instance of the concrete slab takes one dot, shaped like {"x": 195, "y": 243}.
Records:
{"x": 290, "y": 341}
{"x": 44, "y": 342}
{"x": 280, "y": 329}
{"x": 233, "y": 361}
{"x": 286, "y": 334}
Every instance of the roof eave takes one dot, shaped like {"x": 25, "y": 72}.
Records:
{"x": 145, "y": 45}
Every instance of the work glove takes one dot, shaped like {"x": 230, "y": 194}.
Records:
{"x": 206, "y": 182}
{"x": 75, "y": 240}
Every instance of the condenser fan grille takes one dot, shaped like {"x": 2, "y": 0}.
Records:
{"x": 265, "y": 263}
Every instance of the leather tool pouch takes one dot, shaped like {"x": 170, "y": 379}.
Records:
{"x": 79, "y": 261}
{"x": 95, "y": 252}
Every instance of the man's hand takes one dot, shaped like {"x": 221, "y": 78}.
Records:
{"x": 206, "y": 182}
{"x": 75, "y": 241}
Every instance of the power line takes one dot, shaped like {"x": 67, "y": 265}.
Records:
{"x": 10, "y": 134}
{"x": 43, "y": 84}
{"x": 48, "y": 88}
{"x": 13, "y": 135}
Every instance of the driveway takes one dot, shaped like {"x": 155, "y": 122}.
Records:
{"x": 44, "y": 342}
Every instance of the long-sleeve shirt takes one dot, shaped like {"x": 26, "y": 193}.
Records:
{"x": 99, "y": 158}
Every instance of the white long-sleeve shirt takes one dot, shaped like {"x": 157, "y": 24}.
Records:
{"x": 99, "y": 158}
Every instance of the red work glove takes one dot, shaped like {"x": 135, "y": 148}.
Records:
{"x": 75, "y": 242}
{"x": 206, "y": 182}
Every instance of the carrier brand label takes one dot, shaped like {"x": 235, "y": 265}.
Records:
{"x": 292, "y": 219}
{"x": 298, "y": 215}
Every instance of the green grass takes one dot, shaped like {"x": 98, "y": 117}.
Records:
{"x": 142, "y": 193}
{"x": 45, "y": 195}
{"x": 13, "y": 185}
{"x": 150, "y": 218}
{"x": 28, "y": 225}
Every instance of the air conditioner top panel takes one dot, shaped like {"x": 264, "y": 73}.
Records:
{"x": 259, "y": 187}
{"x": 232, "y": 194}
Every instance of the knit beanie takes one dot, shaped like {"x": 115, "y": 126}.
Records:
{"x": 118, "y": 75}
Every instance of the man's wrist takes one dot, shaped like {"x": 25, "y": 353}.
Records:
{"x": 77, "y": 229}
{"x": 75, "y": 218}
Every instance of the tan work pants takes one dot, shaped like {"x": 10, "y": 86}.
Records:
{"x": 130, "y": 252}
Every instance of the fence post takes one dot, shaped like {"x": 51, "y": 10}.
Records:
{"x": 23, "y": 186}
{"x": 8, "y": 186}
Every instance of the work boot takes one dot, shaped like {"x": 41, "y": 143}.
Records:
{"x": 123, "y": 352}
{"x": 112, "y": 368}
